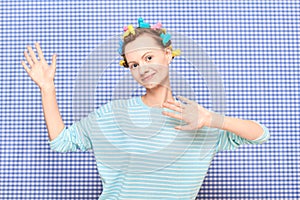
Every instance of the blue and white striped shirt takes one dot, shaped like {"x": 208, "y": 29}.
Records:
{"x": 139, "y": 153}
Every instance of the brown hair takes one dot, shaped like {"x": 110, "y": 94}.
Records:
{"x": 155, "y": 34}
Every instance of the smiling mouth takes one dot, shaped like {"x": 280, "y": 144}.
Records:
{"x": 148, "y": 77}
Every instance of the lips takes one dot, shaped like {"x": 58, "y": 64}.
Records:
{"x": 147, "y": 78}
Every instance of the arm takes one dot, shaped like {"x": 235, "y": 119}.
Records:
{"x": 52, "y": 115}
{"x": 43, "y": 75}
{"x": 236, "y": 132}
{"x": 196, "y": 117}
{"x": 247, "y": 129}
{"x": 61, "y": 139}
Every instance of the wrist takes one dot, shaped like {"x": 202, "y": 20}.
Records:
{"x": 215, "y": 120}
{"x": 47, "y": 88}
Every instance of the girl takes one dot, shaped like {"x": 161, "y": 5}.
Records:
{"x": 163, "y": 160}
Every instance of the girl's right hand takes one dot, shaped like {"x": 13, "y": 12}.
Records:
{"x": 40, "y": 72}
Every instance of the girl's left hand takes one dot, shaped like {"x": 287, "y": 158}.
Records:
{"x": 192, "y": 113}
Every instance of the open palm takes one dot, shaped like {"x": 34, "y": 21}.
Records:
{"x": 192, "y": 113}
{"x": 40, "y": 72}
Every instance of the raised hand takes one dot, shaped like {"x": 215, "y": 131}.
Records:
{"x": 192, "y": 113}
{"x": 40, "y": 72}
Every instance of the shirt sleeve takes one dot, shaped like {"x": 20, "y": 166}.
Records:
{"x": 76, "y": 136}
{"x": 230, "y": 141}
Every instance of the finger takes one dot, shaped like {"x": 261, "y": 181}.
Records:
{"x": 30, "y": 62}
{"x": 173, "y": 115}
{"x": 172, "y": 107}
{"x": 32, "y": 54}
{"x": 178, "y": 104}
{"x": 39, "y": 51}
{"x": 184, "y": 128}
{"x": 184, "y": 99}
{"x": 25, "y": 67}
{"x": 53, "y": 64}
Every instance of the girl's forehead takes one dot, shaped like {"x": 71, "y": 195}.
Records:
{"x": 142, "y": 43}
{"x": 138, "y": 53}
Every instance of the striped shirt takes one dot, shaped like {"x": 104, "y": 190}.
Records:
{"x": 139, "y": 153}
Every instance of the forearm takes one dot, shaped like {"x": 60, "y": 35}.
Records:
{"x": 244, "y": 128}
{"x": 52, "y": 115}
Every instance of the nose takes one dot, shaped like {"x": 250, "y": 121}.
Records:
{"x": 143, "y": 68}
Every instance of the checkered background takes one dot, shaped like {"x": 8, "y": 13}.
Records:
{"x": 254, "y": 44}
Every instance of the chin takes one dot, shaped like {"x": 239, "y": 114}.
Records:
{"x": 151, "y": 85}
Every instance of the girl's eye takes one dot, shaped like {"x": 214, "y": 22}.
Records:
{"x": 134, "y": 65}
{"x": 148, "y": 58}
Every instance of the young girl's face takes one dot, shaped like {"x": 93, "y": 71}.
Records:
{"x": 148, "y": 61}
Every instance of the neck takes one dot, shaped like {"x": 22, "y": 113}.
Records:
{"x": 155, "y": 97}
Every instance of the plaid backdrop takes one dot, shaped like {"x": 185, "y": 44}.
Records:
{"x": 254, "y": 45}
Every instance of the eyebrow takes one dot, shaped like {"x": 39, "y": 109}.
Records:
{"x": 141, "y": 56}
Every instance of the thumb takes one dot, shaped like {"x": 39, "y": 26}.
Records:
{"x": 185, "y": 128}
{"x": 53, "y": 64}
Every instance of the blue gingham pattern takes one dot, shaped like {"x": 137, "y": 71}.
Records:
{"x": 254, "y": 44}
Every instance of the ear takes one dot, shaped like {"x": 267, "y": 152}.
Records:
{"x": 169, "y": 54}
